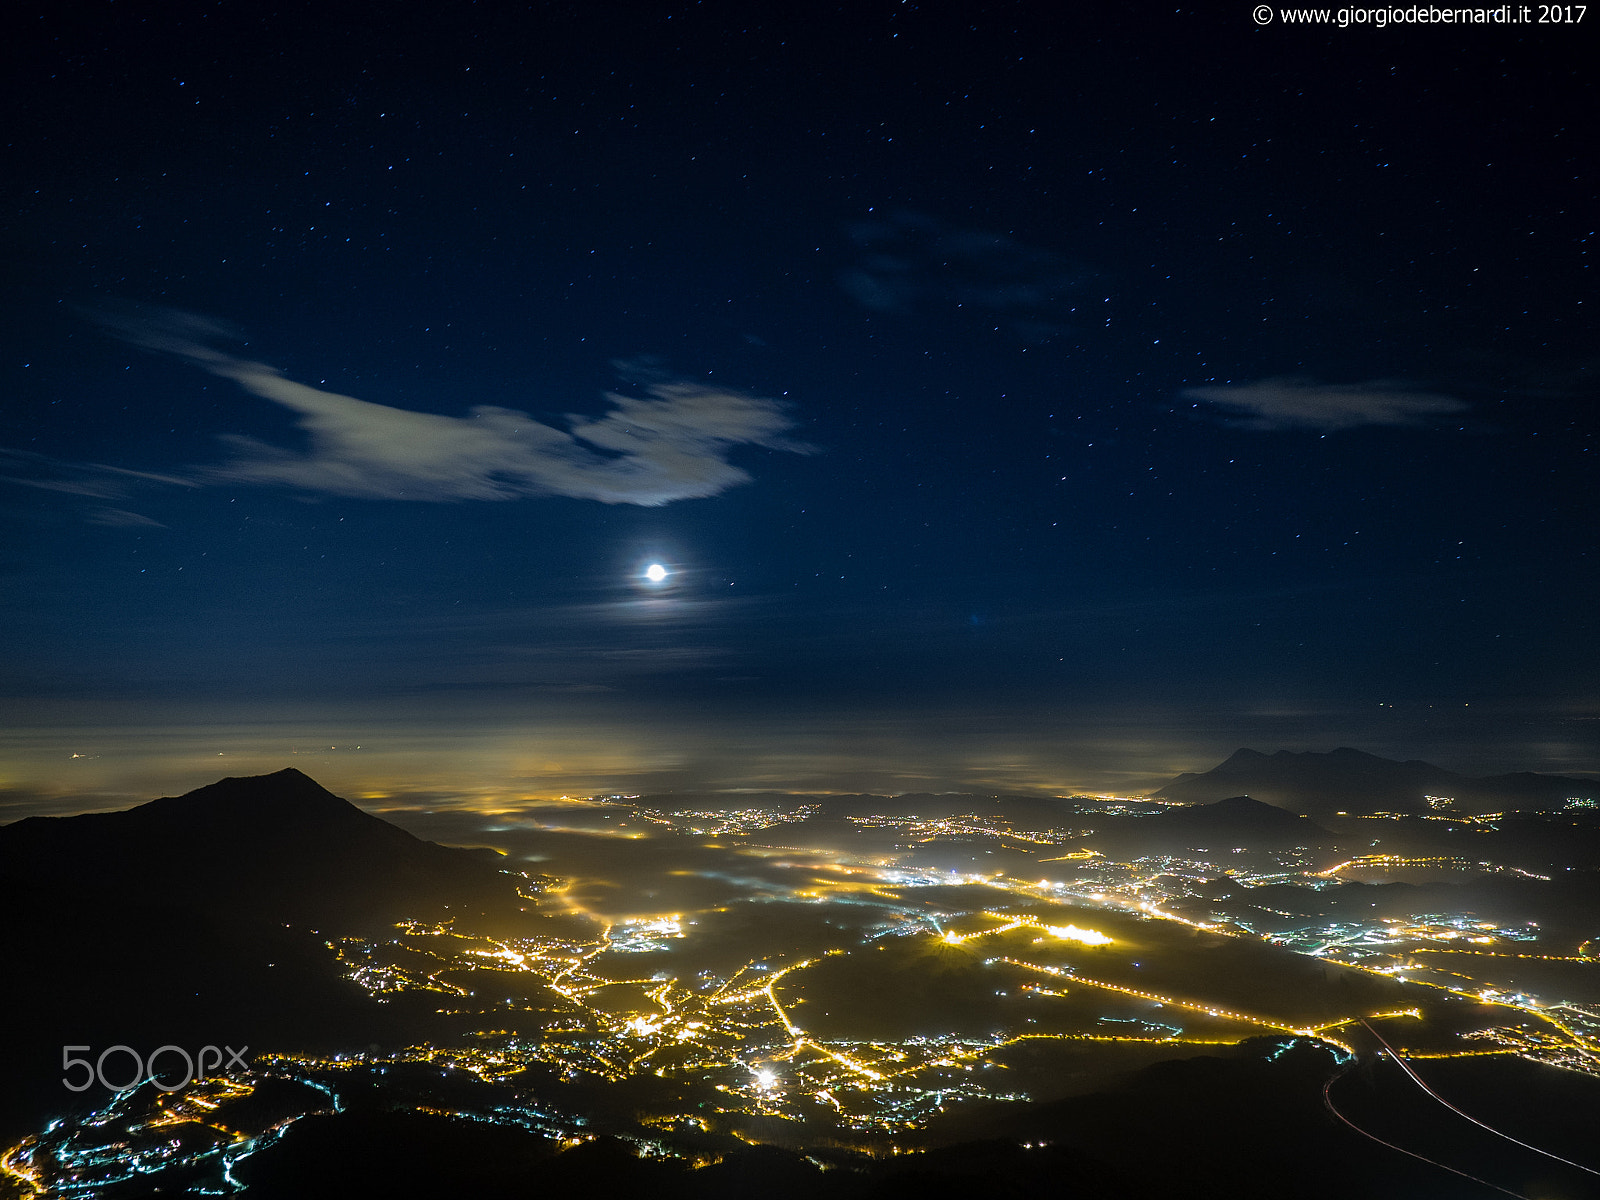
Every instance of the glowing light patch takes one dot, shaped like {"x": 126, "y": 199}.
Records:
{"x": 671, "y": 926}
{"x": 655, "y": 573}
{"x": 1071, "y": 933}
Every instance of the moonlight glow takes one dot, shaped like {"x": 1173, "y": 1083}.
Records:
{"x": 655, "y": 573}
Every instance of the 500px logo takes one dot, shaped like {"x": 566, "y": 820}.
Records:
{"x": 145, "y": 1070}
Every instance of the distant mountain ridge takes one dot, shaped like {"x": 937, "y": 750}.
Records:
{"x": 1232, "y": 821}
{"x": 1241, "y": 815}
{"x": 1346, "y": 780}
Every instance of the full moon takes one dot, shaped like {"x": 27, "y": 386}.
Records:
{"x": 655, "y": 572}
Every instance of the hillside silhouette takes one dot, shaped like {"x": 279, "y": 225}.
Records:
{"x": 1345, "y": 780}
{"x": 1233, "y": 821}
{"x": 202, "y": 919}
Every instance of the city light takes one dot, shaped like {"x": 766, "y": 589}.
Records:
{"x": 611, "y": 999}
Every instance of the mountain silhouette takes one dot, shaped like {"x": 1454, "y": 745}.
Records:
{"x": 1346, "y": 780}
{"x": 1242, "y": 817}
{"x": 279, "y": 846}
{"x": 204, "y": 919}
{"x": 1232, "y": 821}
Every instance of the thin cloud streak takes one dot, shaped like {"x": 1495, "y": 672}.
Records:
{"x": 121, "y": 518}
{"x": 911, "y": 260}
{"x": 95, "y": 480}
{"x": 86, "y": 481}
{"x": 1291, "y": 403}
{"x": 672, "y": 444}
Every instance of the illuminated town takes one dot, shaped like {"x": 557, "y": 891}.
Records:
{"x": 857, "y": 979}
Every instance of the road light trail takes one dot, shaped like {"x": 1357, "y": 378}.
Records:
{"x": 1327, "y": 1102}
{"x": 1418, "y": 1080}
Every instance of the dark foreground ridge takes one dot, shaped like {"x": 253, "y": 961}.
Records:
{"x": 199, "y": 919}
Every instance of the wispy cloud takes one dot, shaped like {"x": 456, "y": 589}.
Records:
{"x": 87, "y": 481}
{"x": 121, "y": 518}
{"x": 94, "y": 480}
{"x": 671, "y": 443}
{"x": 911, "y": 260}
{"x": 1293, "y": 403}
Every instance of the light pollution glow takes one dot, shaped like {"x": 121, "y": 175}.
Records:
{"x": 476, "y": 754}
{"x": 389, "y": 765}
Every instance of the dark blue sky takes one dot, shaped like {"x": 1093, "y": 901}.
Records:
{"x": 1018, "y": 398}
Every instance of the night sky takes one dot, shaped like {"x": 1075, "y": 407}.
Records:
{"x": 1017, "y": 397}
